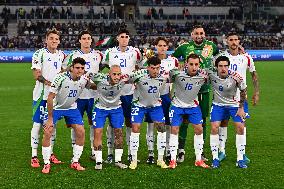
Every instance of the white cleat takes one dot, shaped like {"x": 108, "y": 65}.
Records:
{"x": 99, "y": 166}
{"x": 133, "y": 164}
{"x": 120, "y": 165}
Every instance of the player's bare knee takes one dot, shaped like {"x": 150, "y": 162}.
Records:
{"x": 135, "y": 128}
{"x": 98, "y": 132}
{"x": 48, "y": 132}
{"x": 198, "y": 129}
{"x": 174, "y": 130}
{"x": 80, "y": 132}
{"x": 214, "y": 128}
{"x": 239, "y": 128}
{"x": 160, "y": 126}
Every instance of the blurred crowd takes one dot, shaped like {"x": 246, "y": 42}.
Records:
{"x": 141, "y": 41}
{"x": 210, "y": 2}
{"x": 70, "y": 28}
{"x": 55, "y": 2}
{"x": 213, "y": 28}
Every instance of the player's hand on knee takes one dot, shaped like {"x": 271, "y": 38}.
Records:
{"x": 241, "y": 113}
{"x": 48, "y": 125}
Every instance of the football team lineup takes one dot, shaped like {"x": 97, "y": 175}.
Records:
{"x": 264, "y": 141}
{"x": 139, "y": 87}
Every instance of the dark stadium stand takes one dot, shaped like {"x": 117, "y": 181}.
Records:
{"x": 260, "y": 22}
{"x": 69, "y": 28}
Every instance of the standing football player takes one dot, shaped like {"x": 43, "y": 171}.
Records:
{"x": 109, "y": 87}
{"x": 128, "y": 58}
{"x": 206, "y": 50}
{"x": 240, "y": 63}
{"x": 93, "y": 60}
{"x": 168, "y": 63}
{"x": 225, "y": 87}
{"x": 46, "y": 63}
{"x": 61, "y": 102}
{"x": 187, "y": 84}
{"x": 148, "y": 85}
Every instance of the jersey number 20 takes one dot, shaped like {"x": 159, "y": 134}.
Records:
{"x": 72, "y": 93}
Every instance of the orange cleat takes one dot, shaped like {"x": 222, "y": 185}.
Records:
{"x": 53, "y": 159}
{"x": 46, "y": 169}
{"x": 202, "y": 164}
{"x": 35, "y": 162}
{"x": 173, "y": 164}
{"x": 77, "y": 166}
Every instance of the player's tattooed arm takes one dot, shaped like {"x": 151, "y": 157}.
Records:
{"x": 243, "y": 95}
{"x": 255, "y": 97}
{"x": 241, "y": 112}
{"x": 43, "y": 80}
{"x": 160, "y": 126}
{"x": 38, "y": 76}
{"x": 49, "y": 122}
{"x": 118, "y": 138}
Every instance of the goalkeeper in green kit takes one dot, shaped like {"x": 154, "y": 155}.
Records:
{"x": 206, "y": 50}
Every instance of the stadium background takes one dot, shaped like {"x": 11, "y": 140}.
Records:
{"x": 22, "y": 27}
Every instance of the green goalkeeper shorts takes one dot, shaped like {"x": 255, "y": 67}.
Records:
{"x": 203, "y": 99}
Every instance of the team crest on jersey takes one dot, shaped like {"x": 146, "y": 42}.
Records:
{"x": 67, "y": 87}
{"x": 206, "y": 51}
{"x": 118, "y": 87}
{"x": 104, "y": 88}
{"x": 116, "y": 56}
{"x": 49, "y": 59}
{"x": 182, "y": 79}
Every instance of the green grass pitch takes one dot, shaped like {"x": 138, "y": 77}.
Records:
{"x": 265, "y": 145}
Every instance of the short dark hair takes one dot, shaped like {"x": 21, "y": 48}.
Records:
{"x": 83, "y": 33}
{"x": 154, "y": 60}
{"x": 161, "y": 39}
{"x": 222, "y": 58}
{"x": 53, "y": 30}
{"x": 122, "y": 31}
{"x": 231, "y": 34}
{"x": 197, "y": 26}
{"x": 193, "y": 56}
{"x": 78, "y": 60}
